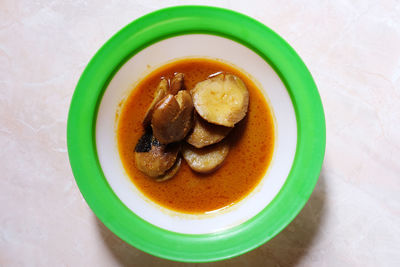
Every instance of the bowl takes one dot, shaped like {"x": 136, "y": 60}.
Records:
{"x": 196, "y": 31}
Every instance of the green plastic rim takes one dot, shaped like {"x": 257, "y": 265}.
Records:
{"x": 235, "y": 241}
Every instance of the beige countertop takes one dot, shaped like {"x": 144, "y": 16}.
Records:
{"x": 352, "y": 49}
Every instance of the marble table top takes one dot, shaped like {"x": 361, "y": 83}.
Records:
{"x": 352, "y": 49}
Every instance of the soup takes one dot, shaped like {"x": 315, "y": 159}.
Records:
{"x": 252, "y": 144}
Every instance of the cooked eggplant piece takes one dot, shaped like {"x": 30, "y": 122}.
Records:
{"x": 177, "y": 83}
{"x": 171, "y": 172}
{"x": 205, "y": 133}
{"x": 206, "y": 159}
{"x": 222, "y": 99}
{"x": 161, "y": 92}
{"x": 186, "y": 115}
{"x": 153, "y": 158}
{"x": 172, "y": 117}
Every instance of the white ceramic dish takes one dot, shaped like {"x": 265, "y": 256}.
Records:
{"x": 196, "y": 45}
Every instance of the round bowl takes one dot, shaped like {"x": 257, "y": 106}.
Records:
{"x": 196, "y": 31}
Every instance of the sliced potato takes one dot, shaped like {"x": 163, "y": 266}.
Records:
{"x": 161, "y": 92}
{"x": 177, "y": 83}
{"x": 171, "y": 172}
{"x": 153, "y": 158}
{"x": 172, "y": 117}
{"x": 206, "y": 159}
{"x": 222, "y": 99}
{"x": 205, "y": 133}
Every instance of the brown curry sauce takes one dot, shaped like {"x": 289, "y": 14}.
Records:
{"x": 252, "y": 145}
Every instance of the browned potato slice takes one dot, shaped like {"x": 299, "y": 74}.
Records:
{"x": 172, "y": 117}
{"x": 222, "y": 99}
{"x": 153, "y": 158}
{"x": 205, "y": 133}
{"x": 160, "y": 92}
{"x": 176, "y": 83}
{"x": 171, "y": 172}
{"x": 206, "y": 159}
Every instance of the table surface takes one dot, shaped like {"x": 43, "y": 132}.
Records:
{"x": 352, "y": 49}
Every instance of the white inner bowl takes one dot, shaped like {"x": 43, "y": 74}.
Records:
{"x": 214, "y": 47}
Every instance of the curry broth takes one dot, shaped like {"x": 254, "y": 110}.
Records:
{"x": 190, "y": 192}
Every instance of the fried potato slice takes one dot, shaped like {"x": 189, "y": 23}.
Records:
{"x": 206, "y": 159}
{"x": 205, "y": 133}
{"x": 222, "y": 99}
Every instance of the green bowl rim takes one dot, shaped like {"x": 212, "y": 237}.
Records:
{"x": 167, "y": 23}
